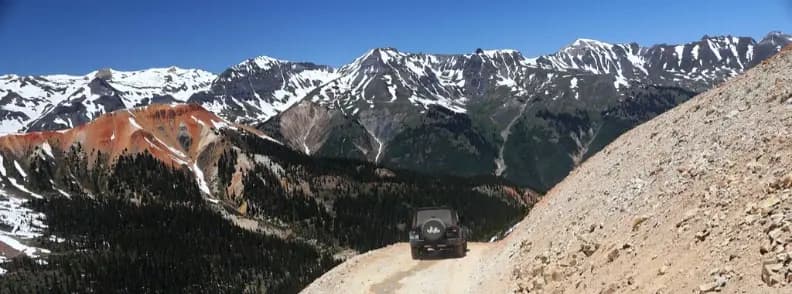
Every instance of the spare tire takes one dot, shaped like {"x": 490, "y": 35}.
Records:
{"x": 433, "y": 229}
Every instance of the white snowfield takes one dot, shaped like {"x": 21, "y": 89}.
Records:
{"x": 23, "y": 225}
{"x": 34, "y": 96}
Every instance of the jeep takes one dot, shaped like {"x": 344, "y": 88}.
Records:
{"x": 437, "y": 229}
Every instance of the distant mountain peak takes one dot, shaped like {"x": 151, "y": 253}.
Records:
{"x": 492, "y": 53}
{"x": 584, "y": 42}
{"x": 384, "y": 55}
{"x": 776, "y": 36}
{"x": 262, "y": 62}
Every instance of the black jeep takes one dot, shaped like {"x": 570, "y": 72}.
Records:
{"x": 437, "y": 229}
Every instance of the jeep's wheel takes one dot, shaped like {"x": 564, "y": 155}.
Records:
{"x": 460, "y": 250}
{"x": 416, "y": 252}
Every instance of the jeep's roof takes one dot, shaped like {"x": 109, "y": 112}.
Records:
{"x": 434, "y": 208}
{"x": 447, "y": 215}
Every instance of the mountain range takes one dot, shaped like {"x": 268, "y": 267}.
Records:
{"x": 530, "y": 120}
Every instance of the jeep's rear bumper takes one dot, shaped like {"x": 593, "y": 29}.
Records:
{"x": 439, "y": 244}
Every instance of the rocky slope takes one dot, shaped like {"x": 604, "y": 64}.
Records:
{"x": 695, "y": 200}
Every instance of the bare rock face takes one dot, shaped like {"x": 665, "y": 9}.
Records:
{"x": 105, "y": 74}
{"x": 305, "y": 127}
{"x": 319, "y": 131}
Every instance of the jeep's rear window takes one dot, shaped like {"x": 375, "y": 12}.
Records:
{"x": 442, "y": 214}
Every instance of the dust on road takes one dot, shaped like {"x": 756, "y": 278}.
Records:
{"x": 392, "y": 270}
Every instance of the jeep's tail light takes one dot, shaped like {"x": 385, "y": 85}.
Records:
{"x": 452, "y": 232}
{"x": 414, "y": 235}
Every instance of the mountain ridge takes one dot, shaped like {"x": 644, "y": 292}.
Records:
{"x": 503, "y": 103}
{"x": 159, "y": 83}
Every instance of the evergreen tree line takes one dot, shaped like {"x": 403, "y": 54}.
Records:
{"x": 347, "y": 203}
{"x": 149, "y": 231}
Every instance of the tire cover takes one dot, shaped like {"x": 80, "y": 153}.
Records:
{"x": 433, "y": 229}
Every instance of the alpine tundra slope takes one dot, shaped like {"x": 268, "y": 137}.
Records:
{"x": 696, "y": 200}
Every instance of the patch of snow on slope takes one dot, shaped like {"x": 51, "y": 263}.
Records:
{"x": 620, "y": 81}
{"x": 24, "y": 224}
{"x": 443, "y": 101}
{"x": 379, "y": 146}
{"x": 695, "y": 52}
{"x": 18, "y": 246}
{"x": 198, "y": 121}
{"x": 47, "y": 149}
{"x": 199, "y": 177}
{"x": 573, "y": 85}
{"x": 222, "y": 124}
{"x": 19, "y": 169}
{"x": 134, "y": 123}
{"x": 23, "y": 189}
{"x": 23, "y": 221}
{"x": 679, "y": 50}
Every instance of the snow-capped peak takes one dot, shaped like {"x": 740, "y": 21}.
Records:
{"x": 383, "y": 55}
{"x": 495, "y": 52}
{"x": 263, "y": 62}
{"x": 777, "y": 37}
{"x": 177, "y": 82}
{"x": 583, "y": 42}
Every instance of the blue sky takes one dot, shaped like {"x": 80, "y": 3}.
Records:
{"x": 39, "y": 37}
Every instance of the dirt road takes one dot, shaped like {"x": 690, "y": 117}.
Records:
{"x": 392, "y": 270}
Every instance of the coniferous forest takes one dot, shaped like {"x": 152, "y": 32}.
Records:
{"x": 137, "y": 225}
{"x": 171, "y": 241}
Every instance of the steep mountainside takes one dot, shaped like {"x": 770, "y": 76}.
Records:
{"x": 697, "y": 200}
{"x": 134, "y": 170}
